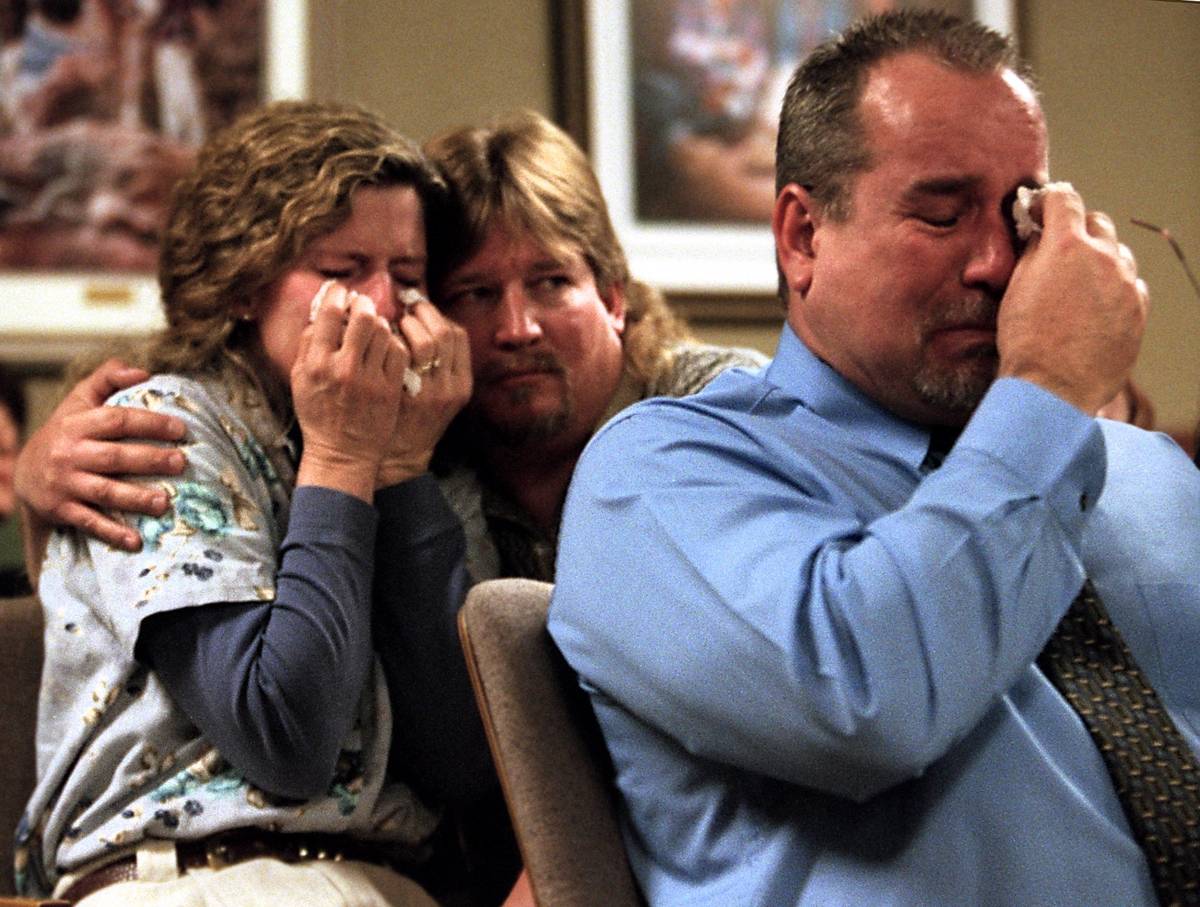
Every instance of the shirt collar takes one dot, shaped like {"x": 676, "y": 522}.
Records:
{"x": 799, "y": 373}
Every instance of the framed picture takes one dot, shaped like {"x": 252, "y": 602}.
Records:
{"x": 103, "y": 104}
{"x": 677, "y": 102}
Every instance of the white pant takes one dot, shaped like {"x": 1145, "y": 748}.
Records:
{"x": 267, "y": 882}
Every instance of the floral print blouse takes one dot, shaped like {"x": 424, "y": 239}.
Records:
{"x": 117, "y": 760}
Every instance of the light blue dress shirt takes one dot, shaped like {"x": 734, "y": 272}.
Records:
{"x": 813, "y": 660}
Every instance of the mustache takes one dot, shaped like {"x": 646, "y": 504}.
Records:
{"x": 973, "y": 311}
{"x": 499, "y": 369}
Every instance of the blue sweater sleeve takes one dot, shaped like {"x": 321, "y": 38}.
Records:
{"x": 275, "y": 685}
{"x": 438, "y": 745}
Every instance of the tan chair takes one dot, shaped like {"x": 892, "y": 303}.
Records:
{"x": 21, "y": 664}
{"x": 552, "y": 763}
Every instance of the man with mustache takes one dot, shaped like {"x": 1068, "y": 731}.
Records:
{"x": 561, "y": 336}
{"x": 815, "y": 606}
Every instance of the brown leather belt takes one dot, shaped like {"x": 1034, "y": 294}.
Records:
{"x": 239, "y": 845}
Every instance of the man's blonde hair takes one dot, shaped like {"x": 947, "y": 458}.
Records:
{"x": 525, "y": 175}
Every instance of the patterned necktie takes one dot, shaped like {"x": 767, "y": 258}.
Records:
{"x": 1153, "y": 769}
{"x": 941, "y": 442}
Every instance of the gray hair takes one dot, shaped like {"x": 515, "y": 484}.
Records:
{"x": 822, "y": 142}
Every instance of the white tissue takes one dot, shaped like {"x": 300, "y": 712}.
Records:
{"x": 318, "y": 299}
{"x": 409, "y": 297}
{"x": 1022, "y": 214}
{"x": 411, "y": 381}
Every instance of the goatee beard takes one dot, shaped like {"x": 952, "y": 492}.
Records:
{"x": 518, "y": 435}
{"x": 957, "y": 389}
{"x": 520, "y": 430}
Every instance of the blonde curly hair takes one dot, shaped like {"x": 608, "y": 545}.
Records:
{"x": 261, "y": 190}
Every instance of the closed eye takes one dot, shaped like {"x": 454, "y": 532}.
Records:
{"x": 942, "y": 223}
{"x": 409, "y": 280}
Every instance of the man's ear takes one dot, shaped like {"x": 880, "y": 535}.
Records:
{"x": 614, "y": 301}
{"x": 794, "y": 222}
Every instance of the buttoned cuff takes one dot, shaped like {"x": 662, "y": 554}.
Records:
{"x": 1057, "y": 450}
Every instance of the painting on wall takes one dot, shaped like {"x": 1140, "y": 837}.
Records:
{"x": 681, "y": 99}
{"x": 103, "y": 104}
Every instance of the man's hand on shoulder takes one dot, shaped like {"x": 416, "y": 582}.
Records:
{"x": 64, "y": 474}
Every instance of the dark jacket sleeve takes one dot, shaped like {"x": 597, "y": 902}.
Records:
{"x": 439, "y": 746}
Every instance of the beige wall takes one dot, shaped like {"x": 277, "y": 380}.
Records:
{"x": 1121, "y": 87}
{"x": 432, "y": 64}
{"x": 1120, "y": 81}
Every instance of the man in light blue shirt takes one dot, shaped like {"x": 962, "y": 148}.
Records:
{"x": 810, "y": 641}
